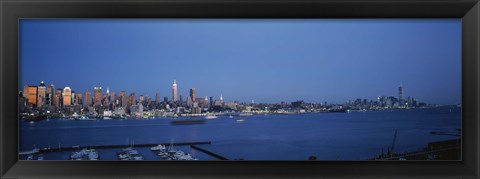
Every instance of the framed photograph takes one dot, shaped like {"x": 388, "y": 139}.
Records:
{"x": 240, "y": 89}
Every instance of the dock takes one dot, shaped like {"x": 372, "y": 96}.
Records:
{"x": 72, "y": 148}
{"x": 208, "y": 152}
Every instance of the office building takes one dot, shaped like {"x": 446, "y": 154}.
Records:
{"x": 97, "y": 96}
{"x": 78, "y": 99}
{"x": 88, "y": 99}
{"x": 174, "y": 91}
{"x": 192, "y": 94}
{"x": 67, "y": 96}
{"x": 30, "y": 93}
{"x": 50, "y": 93}
{"x": 41, "y": 95}
{"x": 123, "y": 99}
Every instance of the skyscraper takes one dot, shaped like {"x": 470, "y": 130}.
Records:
{"x": 400, "y": 94}
{"x": 57, "y": 99}
{"x": 157, "y": 98}
{"x": 78, "y": 98}
{"x": 133, "y": 99}
{"x": 30, "y": 92}
{"x": 50, "y": 93}
{"x": 174, "y": 91}
{"x": 67, "y": 96}
{"x": 192, "y": 94}
{"x": 88, "y": 99}
{"x": 123, "y": 99}
{"x": 141, "y": 99}
{"x": 41, "y": 95}
{"x": 97, "y": 96}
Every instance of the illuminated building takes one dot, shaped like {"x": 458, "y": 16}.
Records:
{"x": 174, "y": 91}
{"x": 78, "y": 99}
{"x": 88, "y": 99}
{"x": 67, "y": 96}
{"x": 41, "y": 95}
{"x": 97, "y": 96}
{"x": 30, "y": 92}
{"x": 57, "y": 99}
{"x": 189, "y": 101}
{"x": 123, "y": 99}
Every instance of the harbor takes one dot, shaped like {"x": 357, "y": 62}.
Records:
{"x": 327, "y": 136}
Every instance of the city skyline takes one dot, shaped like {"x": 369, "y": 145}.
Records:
{"x": 174, "y": 95}
{"x": 306, "y": 66}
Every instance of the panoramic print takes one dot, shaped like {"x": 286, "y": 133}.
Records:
{"x": 239, "y": 89}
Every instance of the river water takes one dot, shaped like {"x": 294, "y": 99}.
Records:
{"x": 328, "y": 136}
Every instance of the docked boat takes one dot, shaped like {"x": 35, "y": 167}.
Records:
{"x": 158, "y": 147}
{"x": 129, "y": 154}
{"x": 85, "y": 154}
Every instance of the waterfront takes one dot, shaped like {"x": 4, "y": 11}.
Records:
{"x": 328, "y": 136}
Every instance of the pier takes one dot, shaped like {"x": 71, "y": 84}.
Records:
{"x": 208, "y": 152}
{"x": 71, "y": 148}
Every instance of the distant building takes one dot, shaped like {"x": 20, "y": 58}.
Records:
{"x": 41, "y": 95}
{"x": 67, "y": 96}
{"x": 211, "y": 102}
{"x": 50, "y": 93}
{"x": 174, "y": 91}
{"x": 157, "y": 99}
{"x": 141, "y": 99}
{"x": 123, "y": 99}
{"x": 192, "y": 94}
{"x": 189, "y": 101}
{"x": 132, "y": 99}
{"x": 30, "y": 93}
{"x": 400, "y": 95}
{"x": 78, "y": 99}
{"x": 57, "y": 99}
{"x": 88, "y": 99}
{"x": 97, "y": 96}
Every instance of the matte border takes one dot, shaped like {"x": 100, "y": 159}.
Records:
{"x": 12, "y": 10}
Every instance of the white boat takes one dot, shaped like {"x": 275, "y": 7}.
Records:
{"x": 245, "y": 114}
{"x": 158, "y": 147}
{"x": 230, "y": 116}
{"x": 211, "y": 117}
{"x": 84, "y": 154}
{"x": 240, "y": 120}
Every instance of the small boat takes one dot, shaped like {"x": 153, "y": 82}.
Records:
{"x": 240, "y": 120}
{"x": 30, "y": 157}
{"x": 158, "y": 147}
{"x": 211, "y": 117}
{"x": 230, "y": 116}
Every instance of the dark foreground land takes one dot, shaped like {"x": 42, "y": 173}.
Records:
{"x": 441, "y": 150}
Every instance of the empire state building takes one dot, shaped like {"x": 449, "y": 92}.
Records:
{"x": 174, "y": 91}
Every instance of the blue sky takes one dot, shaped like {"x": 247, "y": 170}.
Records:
{"x": 316, "y": 60}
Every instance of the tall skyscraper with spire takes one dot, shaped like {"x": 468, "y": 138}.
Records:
{"x": 174, "y": 91}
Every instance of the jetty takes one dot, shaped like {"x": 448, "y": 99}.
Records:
{"x": 72, "y": 148}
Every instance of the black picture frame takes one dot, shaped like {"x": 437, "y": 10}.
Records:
{"x": 467, "y": 10}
